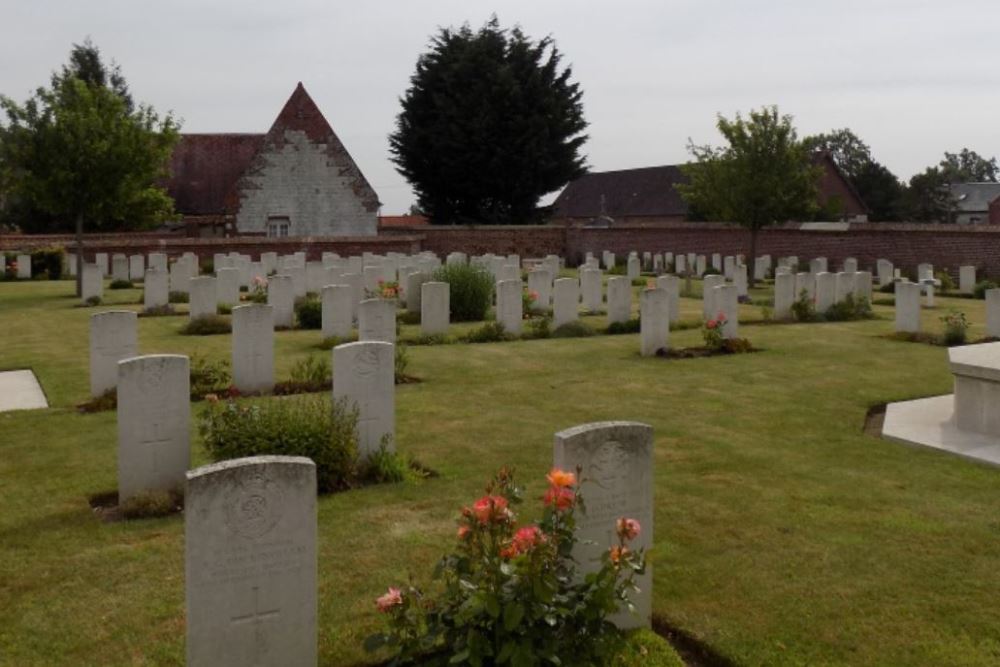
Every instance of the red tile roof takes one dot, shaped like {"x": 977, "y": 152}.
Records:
{"x": 204, "y": 169}
{"x": 403, "y": 220}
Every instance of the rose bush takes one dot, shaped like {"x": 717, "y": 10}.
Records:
{"x": 512, "y": 594}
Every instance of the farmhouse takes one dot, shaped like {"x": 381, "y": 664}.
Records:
{"x": 296, "y": 180}
{"x": 647, "y": 196}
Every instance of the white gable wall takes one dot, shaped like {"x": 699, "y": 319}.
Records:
{"x": 304, "y": 182}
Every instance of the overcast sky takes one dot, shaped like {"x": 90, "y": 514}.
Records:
{"x": 913, "y": 79}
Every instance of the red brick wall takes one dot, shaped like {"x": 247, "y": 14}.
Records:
{"x": 175, "y": 245}
{"x": 526, "y": 241}
{"x": 906, "y": 245}
{"x": 994, "y": 218}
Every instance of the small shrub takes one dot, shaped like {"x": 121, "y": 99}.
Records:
{"x": 313, "y": 371}
{"x": 956, "y": 328}
{"x": 257, "y": 292}
{"x": 224, "y": 309}
{"x": 208, "y": 376}
{"x": 737, "y": 346}
{"x": 490, "y": 332}
{"x": 470, "y": 291}
{"x": 528, "y": 299}
{"x": 848, "y": 310}
{"x": 640, "y": 282}
{"x": 712, "y": 334}
{"x": 401, "y": 364}
{"x": 334, "y": 341}
{"x": 888, "y": 288}
{"x": 93, "y": 300}
{"x": 574, "y": 329}
{"x": 627, "y": 327}
{"x": 309, "y": 313}
{"x": 152, "y": 504}
{"x": 385, "y": 290}
{"x": 158, "y": 311}
{"x": 804, "y": 308}
{"x": 120, "y": 284}
{"x": 407, "y": 317}
{"x": 979, "y": 291}
{"x": 47, "y": 262}
{"x": 947, "y": 282}
{"x": 207, "y": 325}
{"x": 178, "y": 297}
{"x": 303, "y": 426}
{"x": 540, "y": 327}
{"x": 106, "y": 401}
{"x": 384, "y": 467}
{"x": 429, "y": 339}
{"x": 512, "y": 595}
{"x": 711, "y": 271}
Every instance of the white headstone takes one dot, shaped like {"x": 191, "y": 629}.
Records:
{"x": 281, "y": 297}
{"x": 101, "y": 259}
{"x": 113, "y": 337}
{"x": 633, "y": 268}
{"x": 850, "y": 265}
{"x": 654, "y": 321}
{"x": 158, "y": 260}
{"x": 202, "y": 291}
{"x": 227, "y": 286}
{"x": 155, "y": 289}
{"x": 565, "y": 300}
{"x": 136, "y": 267}
{"x": 590, "y": 290}
{"x": 993, "y": 313}
{"x": 119, "y": 267}
{"x": 708, "y": 307}
{"x": 435, "y": 308}
{"x": 412, "y": 292}
{"x": 818, "y": 265}
{"x": 24, "y": 266}
{"x": 180, "y": 274}
{"x": 510, "y": 305}
{"x": 843, "y": 286}
{"x": 619, "y": 299}
{"x": 92, "y": 283}
{"x": 377, "y": 320}
{"x": 966, "y": 279}
{"x": 364, "y": 375}
{"x": 728, "y": 303}
{"x": 298, "y": 276}
{"x": 885, "y": 272}
{"x": 615, "y": 460}
{"x": 154, "y": 419}
{"x": 863, "y": 286}
{"x": 784, "y": 295}
{"x": 805, "y": 282}
{"x": 826, "y": 291}
{"x": 253, "y": 348}
{"x": 250, "y": 563}
{"x": 907, "y": 307}
{"x": 336, "y": 311}
{"x": 672, "y": 285}
{"x": 540, "y": 282}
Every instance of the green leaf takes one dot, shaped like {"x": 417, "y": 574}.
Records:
{"x": 513, "y": 612}
{"x": 492, "y": 606}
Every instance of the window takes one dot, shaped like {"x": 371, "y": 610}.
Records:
{"x": 277, "y": 226}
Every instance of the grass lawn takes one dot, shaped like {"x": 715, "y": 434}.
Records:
{"x": 784, "y": 535}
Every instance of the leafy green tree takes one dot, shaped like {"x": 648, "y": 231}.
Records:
{"x": 849, "y": 152}
{"x": 489, "y": 124}
{"x": 881, "y": 191}
{"x": 928, "y": 197}
{"x": 76, "y": 154}
{"x": 968, "y": 167}
{"x": 762, "y": 177}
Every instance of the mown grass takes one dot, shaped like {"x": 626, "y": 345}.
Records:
{"x": 784, "y": 535}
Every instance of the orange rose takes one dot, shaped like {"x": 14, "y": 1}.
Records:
{"x": 561, "y": 478}
{"x": 392, "y": 598}
{"x": 617, "y": 553}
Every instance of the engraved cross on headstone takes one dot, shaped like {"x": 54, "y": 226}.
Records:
{"x": 256, "y": 618}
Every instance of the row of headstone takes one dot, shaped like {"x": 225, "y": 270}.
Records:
{"x": 251, "y": 559}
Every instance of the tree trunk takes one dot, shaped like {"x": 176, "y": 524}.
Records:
{"x": 752, "y": 260}
{"x": 79, "y": 254}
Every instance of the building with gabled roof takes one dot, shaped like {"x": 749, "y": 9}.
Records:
{"x": 647, "y": 196}
{"x": 296, "y": 180}
{"x": 975, "y": 203}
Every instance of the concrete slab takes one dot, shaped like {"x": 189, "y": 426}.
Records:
{"x": 19, "y": 390}
{"x": 978, "y": 361}
{"x": 928, "y": 422}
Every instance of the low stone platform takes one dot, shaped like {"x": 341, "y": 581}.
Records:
{"x": 929, "y": 422}
{"x": 19, "y": 390}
